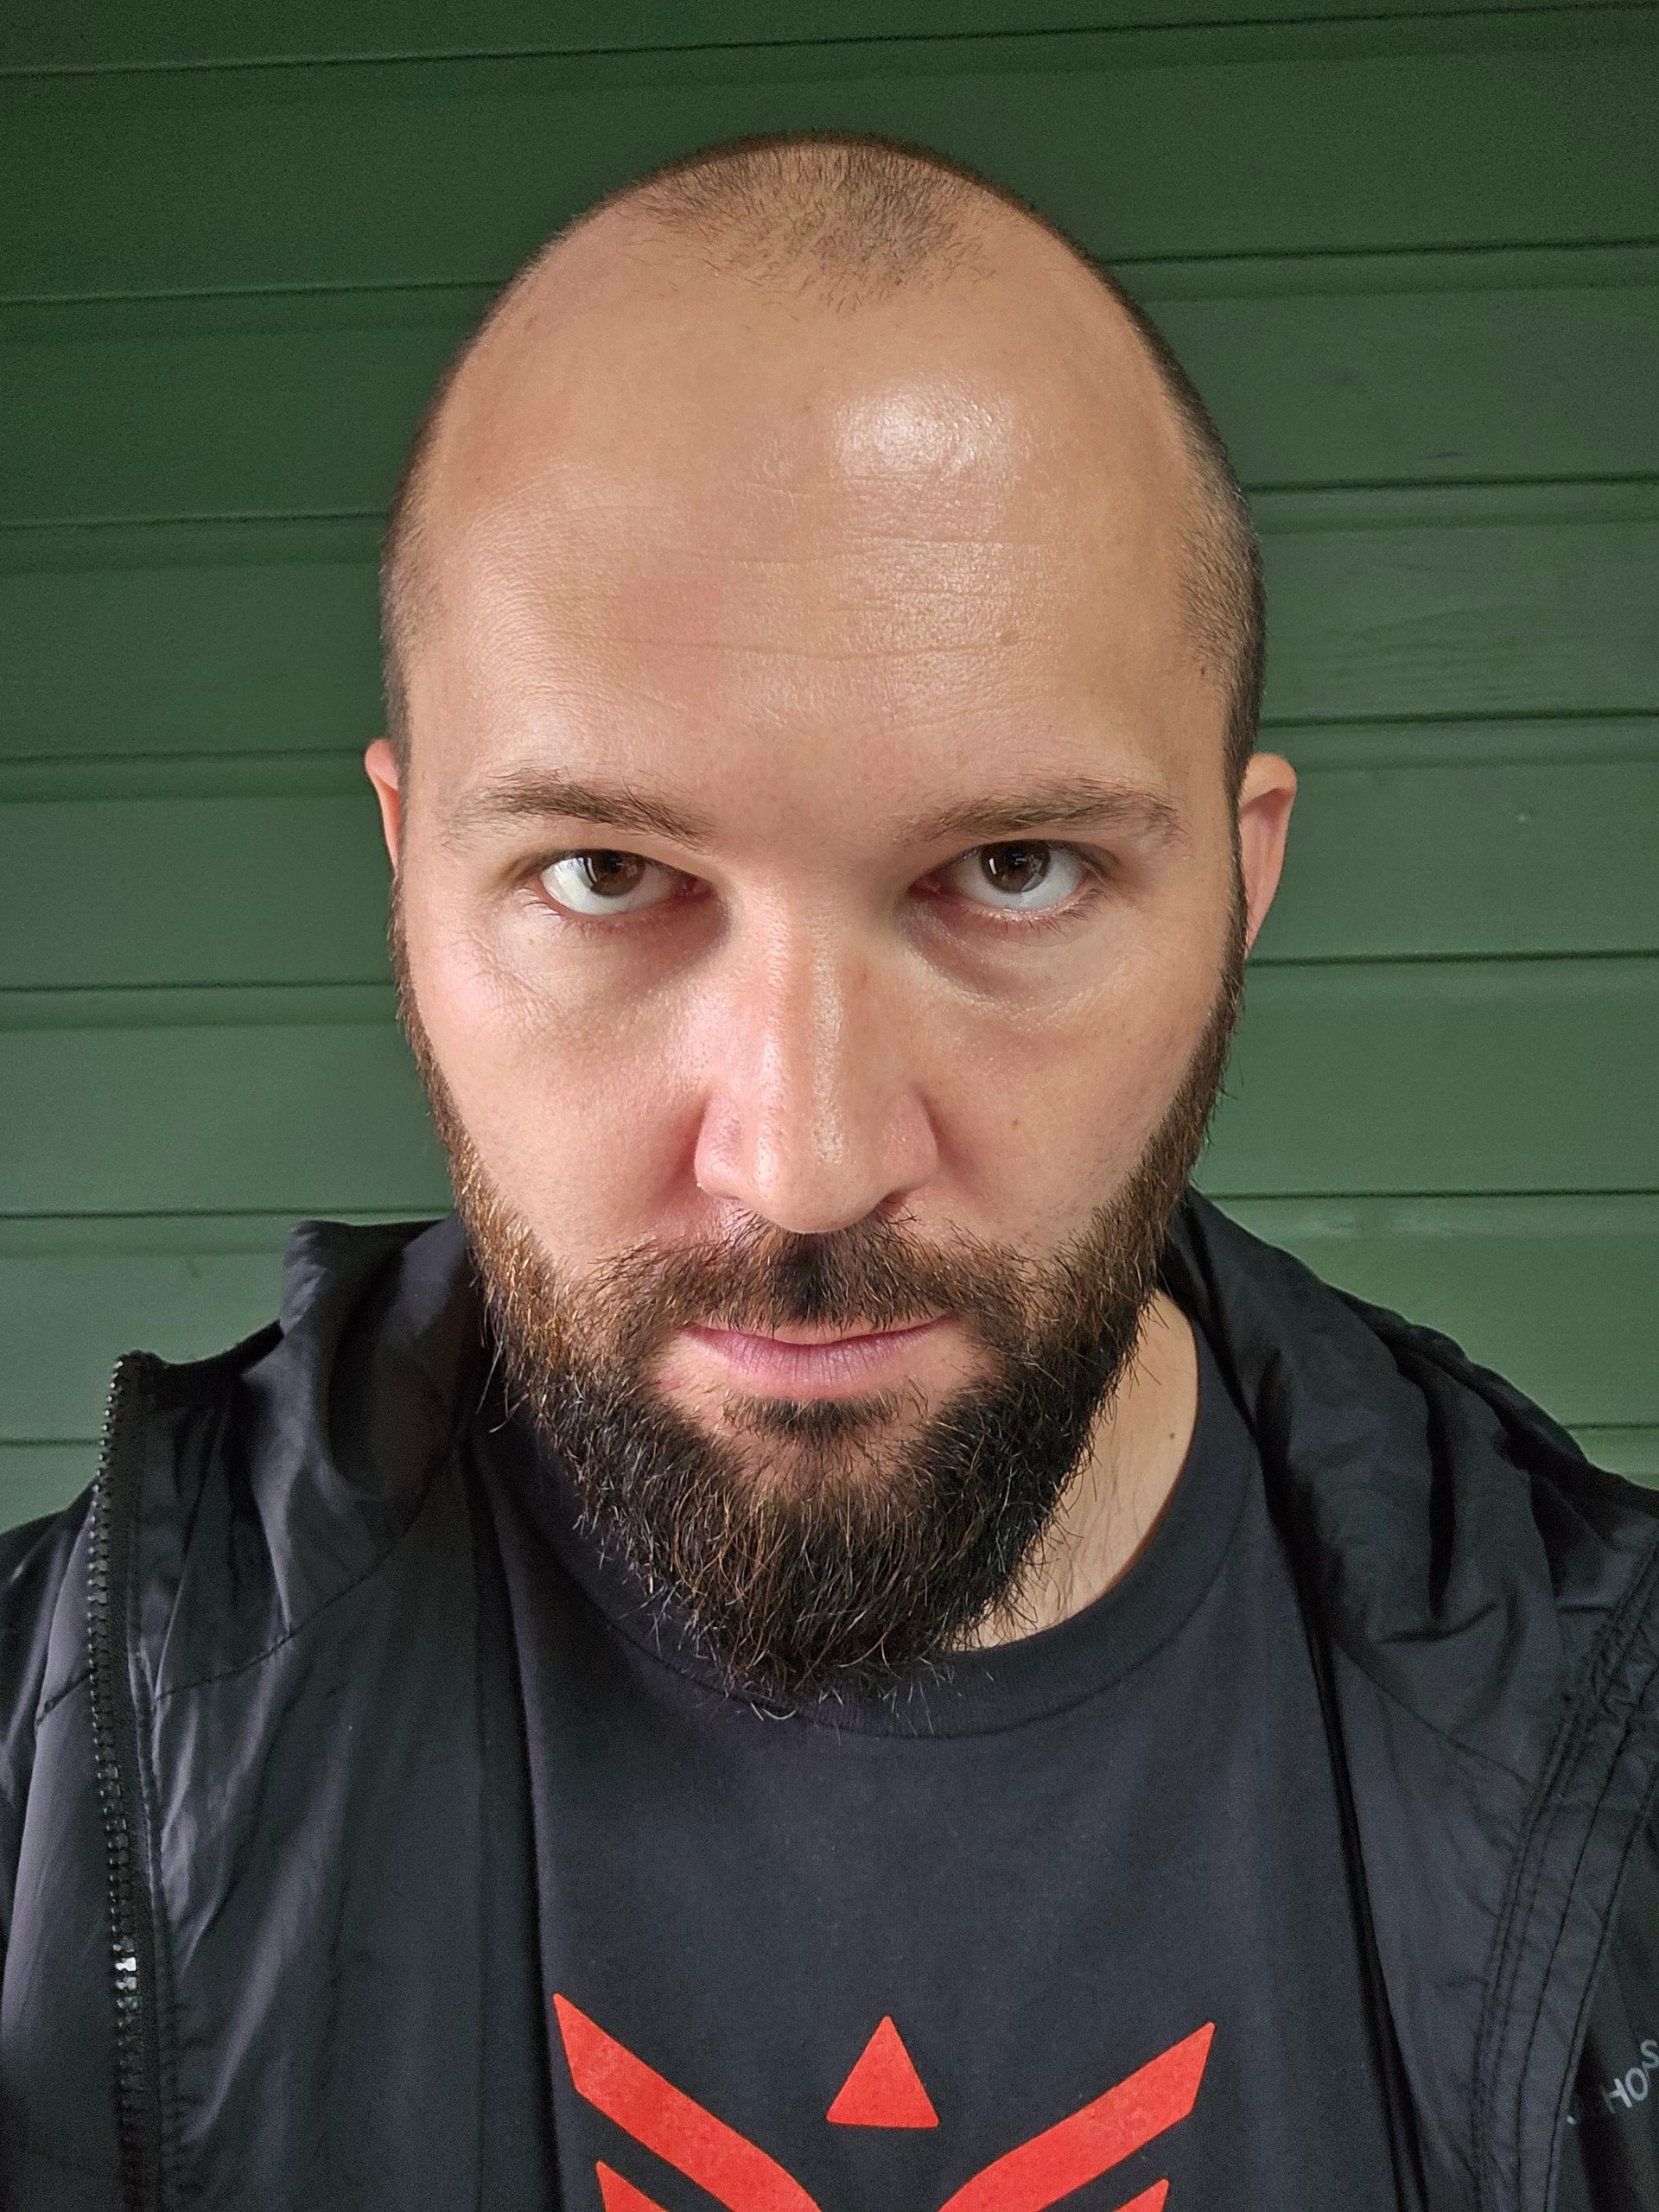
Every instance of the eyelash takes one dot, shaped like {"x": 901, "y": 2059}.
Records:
{"x": 1047, "y": 919}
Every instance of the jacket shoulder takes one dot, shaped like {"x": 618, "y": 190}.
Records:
{"x": 34, "y": 1565}
{"x": 1435, "y": 1487}
{"x": 271, "y": 1480}
{"x": 42, "y": 1658}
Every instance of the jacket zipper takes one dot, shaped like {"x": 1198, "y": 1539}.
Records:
{"x": 115, "y": 1749}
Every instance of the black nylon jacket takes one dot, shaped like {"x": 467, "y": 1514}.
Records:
{"x": 264, "y": 1870}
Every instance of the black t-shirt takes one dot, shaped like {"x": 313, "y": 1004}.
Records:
{"x": 1069, "y": 1921}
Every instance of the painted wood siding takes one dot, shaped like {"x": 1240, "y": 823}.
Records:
{"x": 1413, "y": 259}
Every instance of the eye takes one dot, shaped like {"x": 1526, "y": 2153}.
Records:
{"x": 606, "y": 882}
{"x": 1028, "y": 878}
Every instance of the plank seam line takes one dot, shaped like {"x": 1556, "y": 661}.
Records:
{"x": 1626, "y": 718}
{"x": 1330, "y": 488}
{"x": 373, "y": 1217}
{"x": 93, "y": 1216}
{"x": 301, "y": 757}
{"x": 1345, "y": 1197}
{"x": 382, "y": 1215}
{"x": 394, "y": 287}
{"x": 380, "y": 983}
{"x": 1325, "y": 960}
{"x": 16, "y": 998}
{"x": 1608, "y": 13}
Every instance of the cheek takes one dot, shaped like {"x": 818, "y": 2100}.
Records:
{"x": 574, "y": 1096}
{"x": 1040, "y": 1117}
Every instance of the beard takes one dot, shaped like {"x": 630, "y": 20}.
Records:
{"x": 829, "y": 1545}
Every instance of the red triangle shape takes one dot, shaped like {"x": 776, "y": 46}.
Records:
{"x": 884, "y": 2090}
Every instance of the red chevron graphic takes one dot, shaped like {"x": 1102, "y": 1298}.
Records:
{"x": 616, "y": 2195}
{"x": 740, "y": 2176}
{"x": 1051, "y": 2164}
{"x": 735, "y": 2172}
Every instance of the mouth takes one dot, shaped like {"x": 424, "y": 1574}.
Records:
{"x": 807, "y": 1364}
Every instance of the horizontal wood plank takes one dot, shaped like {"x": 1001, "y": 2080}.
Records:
{"x": 186, "y": 640}
{"x": 132, "y": 892}
{"x": 243, "y": 638}
{"x": 1554, "y": 1293}
{"x": 1385, "y": 862}
{"x": 1272, "y": 138}
{"x": 1373, "y": 369}
{"x": 1439, "y": 1077}
{"x": 1633, "y": 1452}
{"x": 300, "y": 1117}
{"x": 1461, "y": 603}
{"x": 1390, "y": 862}
{"x": 1557, "y": 1294}
{"x": 44, "y": 34}
{"x": 1443, "y": 1078}
{"x": 36, "y": 1479}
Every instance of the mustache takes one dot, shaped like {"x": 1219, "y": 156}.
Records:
{"x": 873, "y": 1274}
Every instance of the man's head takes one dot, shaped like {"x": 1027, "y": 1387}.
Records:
{"x": 824, "y": 648}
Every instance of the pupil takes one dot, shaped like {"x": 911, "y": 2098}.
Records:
{"x": 612, "y": 872}
{"x": 1016, "y": 867}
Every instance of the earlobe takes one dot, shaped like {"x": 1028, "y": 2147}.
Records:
{"x": 381, "y": 763}
{"x": 1265, "y": 798}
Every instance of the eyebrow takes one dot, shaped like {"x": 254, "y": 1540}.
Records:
{"x": 539, "y": 796}
{"x": 1074, "y": 802}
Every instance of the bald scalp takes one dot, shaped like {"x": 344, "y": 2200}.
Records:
{"x": 840, "y": 220}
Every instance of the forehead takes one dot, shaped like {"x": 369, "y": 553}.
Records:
{"x": 693, "y": 524}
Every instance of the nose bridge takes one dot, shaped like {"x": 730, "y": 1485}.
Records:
{"x": 813, "y": 1116}
{"x": 809, "y": 1014}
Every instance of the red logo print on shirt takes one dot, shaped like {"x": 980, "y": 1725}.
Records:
{"x": 740, "y": 2176}
{"x": 884, "y": 2090}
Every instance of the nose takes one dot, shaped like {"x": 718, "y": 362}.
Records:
{"x": 813, "y": 1116}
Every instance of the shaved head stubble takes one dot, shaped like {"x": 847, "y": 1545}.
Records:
{"x": 828, "y": 1544}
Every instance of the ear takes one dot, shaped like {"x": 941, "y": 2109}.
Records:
{"x": 1265, "y": 798}
{"x": 381, "y": 763}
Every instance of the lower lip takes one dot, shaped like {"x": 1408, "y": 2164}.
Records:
{"x": 807, "y": 1370}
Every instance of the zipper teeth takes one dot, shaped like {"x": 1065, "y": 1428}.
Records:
{"x": 112, "y": 1706}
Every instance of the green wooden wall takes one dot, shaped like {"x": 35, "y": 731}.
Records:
{"x": 1411, "y": 253}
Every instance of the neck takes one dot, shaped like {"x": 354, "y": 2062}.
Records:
{"x": 1118, "y": 1495}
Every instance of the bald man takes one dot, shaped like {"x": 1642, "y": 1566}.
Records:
{"x": 835, "y": 1637}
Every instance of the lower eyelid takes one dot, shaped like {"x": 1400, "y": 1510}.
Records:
{"x": 682, "y": 890}
{"x": 1010, "y": 920}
